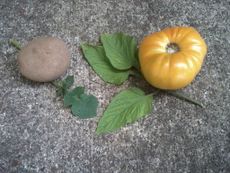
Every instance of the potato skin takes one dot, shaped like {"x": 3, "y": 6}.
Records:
{"x": 44, "y": 59}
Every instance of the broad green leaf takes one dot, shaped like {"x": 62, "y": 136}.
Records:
{"x": 126, "y": 107}
{"x": 121, "y": 50}
{"x": 70, "y": 97}
{"x": 96, "y": 57}
{"x": 85, "y": 106}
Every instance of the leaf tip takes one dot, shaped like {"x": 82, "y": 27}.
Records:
{"x": 83, "y": 45}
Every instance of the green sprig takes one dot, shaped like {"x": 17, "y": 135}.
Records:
{"x": 81, "y": 104}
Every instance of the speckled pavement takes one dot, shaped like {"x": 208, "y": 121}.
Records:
{"x": 38, "y": 135}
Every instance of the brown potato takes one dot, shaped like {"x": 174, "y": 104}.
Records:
{"x": 44, "y": 59}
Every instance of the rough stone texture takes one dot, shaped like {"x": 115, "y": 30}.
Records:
{"x": 38, "y": 135}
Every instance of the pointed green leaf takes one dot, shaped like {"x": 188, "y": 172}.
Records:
{"x": 126, "y": 107}
{"x": 121, "y": 50}
{"x": 96, "y": 57}
{"x": 85, "y": 106}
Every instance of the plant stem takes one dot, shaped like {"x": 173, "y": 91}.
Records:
{"x": 156, "y": 92}
{"x": 184, "y": 97}
{"x": 15, "y": 44}
{"x": 134, "y": 72}
{"x": 55, "y": 84}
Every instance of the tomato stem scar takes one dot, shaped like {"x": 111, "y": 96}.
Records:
{"x": 172, "y": 48}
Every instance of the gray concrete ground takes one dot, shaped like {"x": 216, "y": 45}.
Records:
{"x": 38, "y": 135}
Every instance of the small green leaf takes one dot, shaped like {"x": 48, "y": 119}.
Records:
{"x": 96, "y": 57}
{"x": 126, "y": 107}
{"x": 60, "y": 89}
{"x": 60, "y": 92}
{"x": 82, "y": 105}
{"x": 70, "y": 97}
{"x": 68, "y": 81}
{"x": 121, "y": 50}
{"x": 85, "y": 106}
{"x": 63, "y": 85}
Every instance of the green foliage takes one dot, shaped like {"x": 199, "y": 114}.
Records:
{"x": 96, "y": 57}
{"x": 72, "y": 95}
{"x": 126, "y": 107}
{"x": 121, "y": 50}
{"x": 68, "y": 81}
{"x": 114, "y": 62}
{"x": 82, "y": 105}
{"x": 85, "y": 106}
{"x": 64, "y": 85}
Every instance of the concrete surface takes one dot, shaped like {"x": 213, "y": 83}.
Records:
{"x": 38, "y": 135}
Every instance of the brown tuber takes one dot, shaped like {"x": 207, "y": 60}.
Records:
{"x": 44, "y": 59}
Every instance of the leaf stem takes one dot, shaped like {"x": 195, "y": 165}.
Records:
{"x": 184, "y": 97}
{"x": 134, "y": 72}
{"x": 15, "y": 44}
{"x": 156, "y": 92}
{"x": 55, "y": 84}
{"x": 179, "y": 96}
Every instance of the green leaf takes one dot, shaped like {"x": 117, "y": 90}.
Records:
{"x": 96, "y": 57}
{"x": 62, "y": 86}
{"x": 121, "y": 50}
{"x": 126, "y": 107}
{"x": 68, "y": 81}
{"x": 85, "y": 106}
{"x": 70, "y": 97}
{"x": 60, "y": 91}
{"x": 82, "y": 105}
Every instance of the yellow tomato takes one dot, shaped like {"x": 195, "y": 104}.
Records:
{"x": 171, "y": 58}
